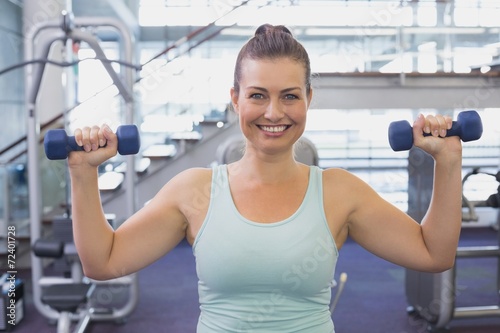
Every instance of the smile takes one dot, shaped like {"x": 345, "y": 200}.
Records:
{"x": 274, "y": 129}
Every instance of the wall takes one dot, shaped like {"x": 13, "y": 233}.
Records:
{"x": 15, "y": 20}
{"x": 11, "y": 83}
{"x": 51, "y": 98}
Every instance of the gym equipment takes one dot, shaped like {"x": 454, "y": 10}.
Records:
{"x": 340, "y": 286}
{"x": 468, "y": 127}
{"x": 67, "y": 298}
{"x": 431, "y": 297}
{"x": 75, "y": 298}
{"x": 232, "y": 149}
{"x": 38, "y": 42}
{"x": 492, "y": 201}
{"x": 58, "y": 144}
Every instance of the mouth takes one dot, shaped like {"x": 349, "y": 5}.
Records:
{"x": 274, "y": 128}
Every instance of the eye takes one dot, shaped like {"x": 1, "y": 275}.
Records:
{"x": 256, "y": 96}
{"x": 290, "y": 97}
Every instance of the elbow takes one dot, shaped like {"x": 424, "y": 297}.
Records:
{"x": 96, "y": 274}
{"x": 445, "y": 267}
{"x": 441, "y": 266}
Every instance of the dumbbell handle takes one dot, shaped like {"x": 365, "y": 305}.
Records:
{"x": 468, "y": 127}
{"x": 58, "y": 144}
{"x": 72, "y": 145}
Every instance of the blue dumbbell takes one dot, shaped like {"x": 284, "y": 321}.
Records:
{"x": 58, "y": 144}
{"x": 468, "y": 127}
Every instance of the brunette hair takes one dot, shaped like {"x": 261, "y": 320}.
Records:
{"x": 272, "y": 42}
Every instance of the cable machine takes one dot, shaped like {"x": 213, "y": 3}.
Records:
{"x": 432, "y": 296}
{"x": 69, "y": 29}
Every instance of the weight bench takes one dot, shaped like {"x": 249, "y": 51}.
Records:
{"x": 70, "y": 300}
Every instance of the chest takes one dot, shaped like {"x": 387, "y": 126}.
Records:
{"x": 296, "y": 256}
{"x": 268, "y": 203}
{"x": 236, "y": 250}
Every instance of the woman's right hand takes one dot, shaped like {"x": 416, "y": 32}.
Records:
{"x": 99, "y": 145}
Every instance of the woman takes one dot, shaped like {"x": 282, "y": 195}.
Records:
{"x": 266, "y": 229}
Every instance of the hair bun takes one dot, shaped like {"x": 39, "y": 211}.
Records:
{"x": 268, "y": 29}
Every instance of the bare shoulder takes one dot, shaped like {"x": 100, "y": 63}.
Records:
{"x": 195, "y": 174}
{"x": 191, "y": 180}
{"x": 340, "y": 184}
{"x": 338, "y": 177}
{"x": 186, "y": 196}
{"x": 347, "y": 198}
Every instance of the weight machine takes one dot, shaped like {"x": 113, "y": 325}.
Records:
{"x": 68, "y": 299}
{"x": 431, "y": 296}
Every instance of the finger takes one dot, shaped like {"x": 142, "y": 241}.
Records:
{"x": 78, "y": 137}
{"x": 427, "y": 125}
{"x": 442, "y": 125}
{"x": 432, "y": 124}
{"x": 107, "y": 132}
{"x": 436, "y": 124}
{"x": 94, "y": 137}
{"x": 102, "y": 138}
{"x": 449, "y": 122}
{"x": 86, "y": 139}
{"x": 419, "y": 124}
{"x": 110, "y": 136}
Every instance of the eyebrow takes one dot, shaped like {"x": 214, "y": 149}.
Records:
{"x": 286, "y": 90}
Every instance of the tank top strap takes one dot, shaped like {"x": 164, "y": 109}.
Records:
{"x": 218, "y": 187}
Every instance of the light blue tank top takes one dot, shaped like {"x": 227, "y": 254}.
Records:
{"x": 264, "y": 277}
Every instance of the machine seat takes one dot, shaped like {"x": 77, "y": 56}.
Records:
{"x": 66, "y": 297}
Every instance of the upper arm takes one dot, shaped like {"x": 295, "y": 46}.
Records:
{"x": 155, "y": 229}
{"x": 377, "y": 225}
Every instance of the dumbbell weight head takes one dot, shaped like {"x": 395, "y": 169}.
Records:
{"x": 400, "y": 135}
{"x": 129, "y": 141}
{"x": 471, "y": 127}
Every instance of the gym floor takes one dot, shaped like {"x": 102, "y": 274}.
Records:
{"x": 373, "y": 299}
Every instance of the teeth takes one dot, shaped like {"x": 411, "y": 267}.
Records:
{"x": 274, "y": 129}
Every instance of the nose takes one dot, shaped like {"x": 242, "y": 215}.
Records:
{"x": 274, "y": 111}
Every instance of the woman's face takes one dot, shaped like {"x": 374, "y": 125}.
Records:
{"x": 272, "y": 103}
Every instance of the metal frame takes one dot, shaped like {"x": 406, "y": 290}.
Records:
{"x": 432, "y": 297}
{"x": 69, "y": 28}
{"x": 448, "y": 310}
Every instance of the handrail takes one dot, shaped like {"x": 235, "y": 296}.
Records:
{"x": 184, "y": 40}
{"x": 25, "y": 137}
{"x": 191, "y": 35}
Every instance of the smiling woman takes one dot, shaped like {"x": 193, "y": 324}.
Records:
{"x": 266, "y": 229}
{"x": 272, "y": 102}
{"x": 272, "y": 89}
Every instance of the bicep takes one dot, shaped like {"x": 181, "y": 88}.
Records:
{"x": 385, "y": 230}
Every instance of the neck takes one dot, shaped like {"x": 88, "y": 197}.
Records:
{"x": 265, "y": 169}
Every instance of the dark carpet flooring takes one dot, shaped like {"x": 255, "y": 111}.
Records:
{"x": 373, "y": 300}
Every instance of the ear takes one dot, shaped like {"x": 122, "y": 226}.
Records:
{"x": 309, "y": 98}
{"x": 234, "y": 100}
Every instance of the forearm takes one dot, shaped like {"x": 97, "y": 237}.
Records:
{"x": 442, "y": 223}
{"x": 93, "y": 235}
